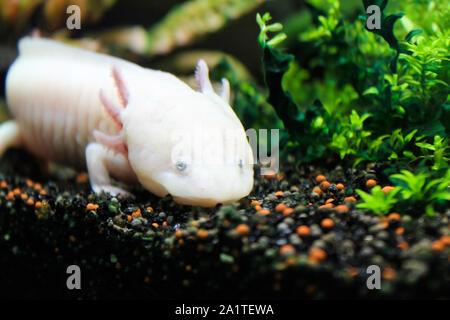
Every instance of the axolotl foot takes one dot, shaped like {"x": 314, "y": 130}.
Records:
{"x": 100, "y": 162}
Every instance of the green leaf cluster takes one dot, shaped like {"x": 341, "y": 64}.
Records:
{"x": 377, "y": 201}
{"x": 364, "y": 95}
{"x": 422, "y": 191}
{"x": 414, "y": 193}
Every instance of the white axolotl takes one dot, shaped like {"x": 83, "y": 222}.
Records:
{"x": 116, "y": 118}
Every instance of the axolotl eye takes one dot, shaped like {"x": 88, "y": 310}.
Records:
{"x": 181, "y": 165}
{"x": 240, "y": 163}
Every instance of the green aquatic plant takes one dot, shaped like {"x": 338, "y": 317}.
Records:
{"x": 353, "y": 140}
{"x": 425, "y": 74}
{"x": 422, "y": 191}
{"x": 377, "y": 201}
{"x": 400, "y": 87}
{"x": 303, "y": 128}
{"x": 437, "y": 153}
{"x": 414, "y": 193}
{"x": 427, "y": 15}
{"x": 265, "y": 28}
{"x": 398, "y": 144}
{"x": 386, "y": 30}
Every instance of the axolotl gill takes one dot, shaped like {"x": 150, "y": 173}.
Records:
{"x": 116, "y": 118}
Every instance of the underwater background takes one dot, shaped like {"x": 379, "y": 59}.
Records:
{"x": 363, "y": 180}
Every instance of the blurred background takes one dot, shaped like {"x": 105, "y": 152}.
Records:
{"x": 336, "y": 59}
{"x": 169, "y": 35}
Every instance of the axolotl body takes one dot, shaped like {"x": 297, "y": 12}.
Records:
{"x": 118, "y": 119}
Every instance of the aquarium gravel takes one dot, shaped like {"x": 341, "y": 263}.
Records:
{"x": 298, "y": 235}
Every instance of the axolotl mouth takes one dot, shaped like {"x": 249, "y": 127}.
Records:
{"x": 201, "y": 201}
{"x": 208, "y": 188}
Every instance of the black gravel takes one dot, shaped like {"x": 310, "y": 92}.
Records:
{"x": 175, "y": 251}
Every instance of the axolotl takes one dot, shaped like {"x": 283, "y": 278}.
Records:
{"x": 115, "y": 118}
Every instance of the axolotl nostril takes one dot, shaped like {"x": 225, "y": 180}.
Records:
{"x": 118, "y": 119}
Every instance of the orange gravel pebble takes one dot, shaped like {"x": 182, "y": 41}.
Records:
{"x": 327, "y": 223}
{"x": 37, "y": 187}
{"x": 279, "y": 194}
{"x": 264, "y": 211}
{"x": 16, "y": 191}
{"x": 91, "y": 206}
{"x": 352, "y": 272}
{"x": 178, "y": 233}
{"x": 399, "y": 231}
{"x": 327, "y": 206}
{"x": 24, "y": 196}
{"x": 320, "y": 178}
{"x": 258, "y": 208}
{"x": 10, "y": 195}
{"x": 387, "y": 189}
{"x": 303, "y": 231}
{"x": 325, "y": 185}
{"x": 3, "y": 184}
{"x": 155, "y": 225}
{"x": 371, "y": 183}
{"x": 403, "y": 245}
{"x": 394, "y": 216}
{"x": 287, "y": 249}
{"x": 446, "y": 240}
{"x": 329, "y": 201}
{"x": 243, "y": 229}
{"x": 43, "y": 192}
{"x": 340, "y": 186}
{"x": 137, "y": 213}
{"x": 288, "y": 211}
{"x": 318, "y": 191}
{"x": 82, "y": 177}
{"x": 280, "y": 207}
{"x": 438, "y": 246}
{"x": 388, "y": 273}
{"x": 316, "y": 255}
{"x": 202, "y": 233}
{"x": 30, "y": 202}
{"x": 38, "y": 205}
{"x": 350, "y": 199}
{"x": 270, "y": 175}
{"x": 255, "y": 203}
{"x": 129, "y": 218}
{"x": 342, "y": 208}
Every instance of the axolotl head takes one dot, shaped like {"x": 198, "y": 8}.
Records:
{"x": 191, "y": 145}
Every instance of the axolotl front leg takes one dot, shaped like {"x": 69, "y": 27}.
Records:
{"x": 109, "y": 153}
